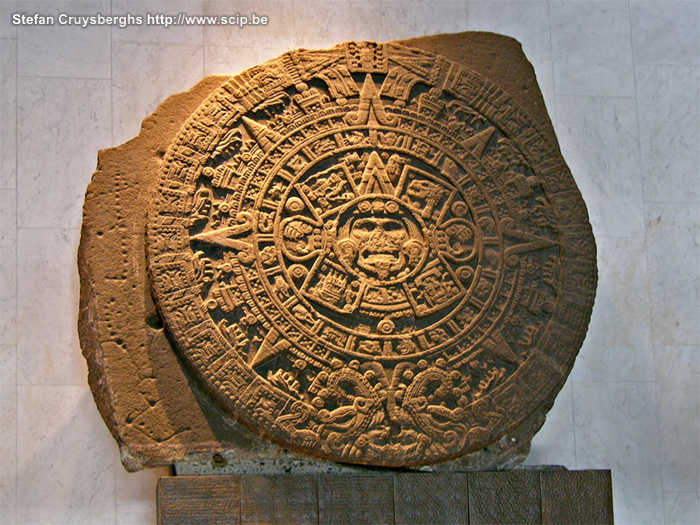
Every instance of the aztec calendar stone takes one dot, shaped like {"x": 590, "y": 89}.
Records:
{"x": 370, "y": 254}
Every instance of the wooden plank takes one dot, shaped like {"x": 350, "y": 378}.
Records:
{"x": 504, "y": 497}
{"x": 199, "y": 500}
{"x": 547, "y": 496}
{"x": 279, "y": 500}
{"x": 422, "y": 498}
{"x": 576, "y": 496}
{"x": 355, "y": 500}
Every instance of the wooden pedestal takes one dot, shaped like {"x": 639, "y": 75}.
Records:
{"x": 523, "y": 496}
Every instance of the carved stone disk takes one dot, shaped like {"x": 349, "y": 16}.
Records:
{"x": 370, "y": 254}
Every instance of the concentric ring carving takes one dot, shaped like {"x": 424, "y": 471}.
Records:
{"x": 371, "y": 255}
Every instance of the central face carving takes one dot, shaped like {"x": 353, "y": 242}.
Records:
{"x": 380, "y": 245}
{"x": 379, "y": 239}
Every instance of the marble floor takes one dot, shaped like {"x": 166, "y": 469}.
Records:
{"x": 621, "y": 82}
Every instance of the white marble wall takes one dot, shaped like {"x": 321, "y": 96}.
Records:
{"x": 621, "y": 81}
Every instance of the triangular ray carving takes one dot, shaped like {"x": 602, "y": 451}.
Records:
{"x": 270, "y": 348}
{"x": 477, "y": 144}
{"x": 264, "y": 136}
{"x": 375, "y": 179}
{"x": 529, "y": 243}
{"x": 371, "y": 109}
{"x": 500, "y": 348}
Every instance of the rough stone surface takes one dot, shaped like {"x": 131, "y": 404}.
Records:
{"x": 370, "y": 254}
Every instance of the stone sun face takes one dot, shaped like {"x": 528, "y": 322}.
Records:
{"x": 360, "y": 252}
{"x": 380, "y": 245}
